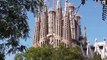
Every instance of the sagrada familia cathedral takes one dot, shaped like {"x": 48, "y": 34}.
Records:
{"x": 55, "y": 26}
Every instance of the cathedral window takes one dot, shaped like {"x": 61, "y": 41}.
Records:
{"x": 56, "y": 42}
{"x": 41, "y": 43}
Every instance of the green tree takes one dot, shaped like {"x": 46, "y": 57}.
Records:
{"x": 50, "y": 53}
{"x": 43, "y": 53}
{"x": 19, "y": 57}
{"x": 96, "y": 57}
{"x": 69, "y": 53}
{"x": 13, "y": 23}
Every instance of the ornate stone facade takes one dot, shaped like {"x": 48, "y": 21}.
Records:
{"x": 56, "y": 26}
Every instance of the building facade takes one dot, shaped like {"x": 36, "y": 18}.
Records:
{"x": 56, "y": 25}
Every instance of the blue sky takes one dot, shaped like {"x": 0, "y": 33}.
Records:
{"x": 91, "y": 18}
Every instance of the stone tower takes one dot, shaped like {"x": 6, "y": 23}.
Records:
{"x": 71, "y": 18}
{"x": 37, "y": 29}
{"x": 44, "y": 26}
{"x": 51, "y": 26}
{"x": 57, "y": 26}
{"x": 66, "y": 26}
{"x": 78, "y": 26}
{"x": 58, "y": 31}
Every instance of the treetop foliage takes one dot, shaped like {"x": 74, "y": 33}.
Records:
{"x": 50, "y": 53}
{"x": 14, "y": 23}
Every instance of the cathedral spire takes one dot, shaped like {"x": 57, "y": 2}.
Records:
{"x": 37, "y": 29}
{"x": 44, "y": 2}
{"x": 85, "y": 38}
{"x": 59, "y": 4}
{"x": 66, "y": 31}
{"x": 45, "y": 6}
{"x": 66, "y": 4}
{"x": 51, "y": 26}
{"x": 72, "y": 22}
{"x": 44, "y": 26}
{"x": 78, "y": 28}
{"x": 66, "y": 26}
{"x": 66, "y": 7}
{"x": 58, "y": 23}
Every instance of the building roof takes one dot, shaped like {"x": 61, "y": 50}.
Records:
{"x": 78, "y": 15}
{"x": 71, "y": 5}
{"x": 51, "y": 9}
